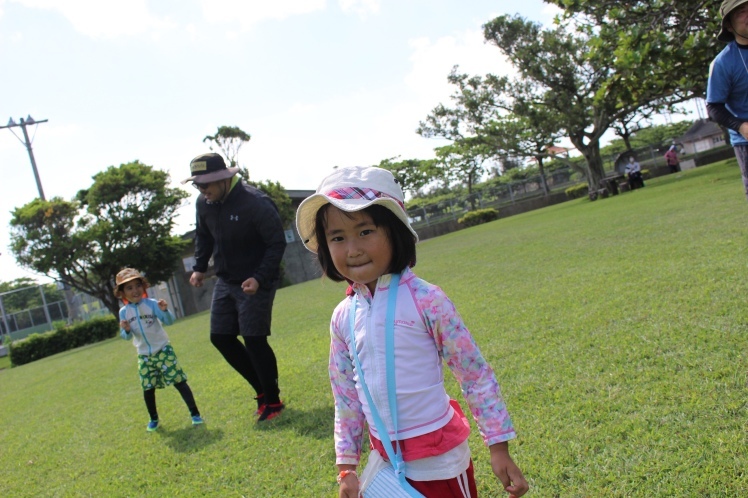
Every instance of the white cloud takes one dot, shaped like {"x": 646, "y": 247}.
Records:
{"x": 360, "y": 7}
{"x": 251, "y": 12}
{"x": 433, "y": 60}
{"x": 104, "y": 19}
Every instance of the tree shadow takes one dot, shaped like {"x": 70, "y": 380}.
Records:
{"x": 189, "y": 439}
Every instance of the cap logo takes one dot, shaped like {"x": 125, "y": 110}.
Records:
{"x": 196, "y": 166}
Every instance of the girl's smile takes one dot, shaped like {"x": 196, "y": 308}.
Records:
{"x": 133, "y": 291}
{"x": 360, "y": 250}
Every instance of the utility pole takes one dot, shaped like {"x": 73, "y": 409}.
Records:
{"x": 27, "y": 143}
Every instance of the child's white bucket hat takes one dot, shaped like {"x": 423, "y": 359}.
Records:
{"x": 351, "y": 189}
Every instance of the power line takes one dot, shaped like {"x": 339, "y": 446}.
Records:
{"x": 27, "y": 143}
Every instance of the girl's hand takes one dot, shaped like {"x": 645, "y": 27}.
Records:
{"x": 349, "y": 483}
{"x": 507, "y": 471}
{"x": 124, "y": 325}
{"x": 162, "y": 304}
{"x": 349, "y": 487}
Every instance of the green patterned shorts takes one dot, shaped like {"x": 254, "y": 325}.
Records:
{"x": 160, "y": 370}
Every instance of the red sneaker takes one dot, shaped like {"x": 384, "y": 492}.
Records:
{"x": 271, "y": 411}
{"x": 260, "y": 405}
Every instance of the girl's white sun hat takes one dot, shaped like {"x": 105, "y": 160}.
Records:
{"x": 351, "y": 189}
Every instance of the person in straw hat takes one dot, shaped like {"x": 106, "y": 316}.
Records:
{"x": 727, "y": 88}
{"x": 140, "y": 320}
{"x": 240, "y": 228}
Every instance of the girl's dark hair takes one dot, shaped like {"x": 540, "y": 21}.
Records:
{"x": 403, "y": 242}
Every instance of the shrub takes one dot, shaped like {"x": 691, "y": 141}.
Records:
{"x": 577, "y": 191}
{"x": 478, "y": 216}
{"x": 37, "y": 346}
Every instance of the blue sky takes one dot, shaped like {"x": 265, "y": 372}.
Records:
{"x": 316, "y": 83}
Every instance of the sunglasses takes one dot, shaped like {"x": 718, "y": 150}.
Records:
{"x": 200, "y": 186}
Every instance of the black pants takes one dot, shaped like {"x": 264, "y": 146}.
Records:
{"x": 636, "y": 180}
{"x": 149, "y": 396}
{"x": 254, "y": 360}
{"x": 234, "y": 313}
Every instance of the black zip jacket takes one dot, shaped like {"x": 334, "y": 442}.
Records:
{"x": 244, "y": 235}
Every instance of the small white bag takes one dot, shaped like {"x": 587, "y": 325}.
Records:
{"x": 379, "y": 479}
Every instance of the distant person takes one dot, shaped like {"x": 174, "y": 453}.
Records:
{"x": 140, "y": 320}
{"x": 671, "y": 156}
{"x": 727, "y": 88}
{"x": 357, "y": 226}
{"x": 239, "y": 226}
{"x": 634, "y": 173}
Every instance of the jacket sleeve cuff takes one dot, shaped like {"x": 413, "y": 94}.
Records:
{"x": 500, "y": 438}
{"x": 346, "y": 460}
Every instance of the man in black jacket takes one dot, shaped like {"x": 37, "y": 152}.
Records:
{"x": 239, "y": 226}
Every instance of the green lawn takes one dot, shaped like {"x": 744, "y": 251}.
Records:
{"x": 618, "y": 330}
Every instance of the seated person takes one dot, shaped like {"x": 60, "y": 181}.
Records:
{"x": 634, "y": 174}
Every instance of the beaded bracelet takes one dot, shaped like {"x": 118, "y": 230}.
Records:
{"x": 343, "y": 473}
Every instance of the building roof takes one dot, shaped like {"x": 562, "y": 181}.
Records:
{"x": 701, "y": 128}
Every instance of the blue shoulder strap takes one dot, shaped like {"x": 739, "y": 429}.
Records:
{"x": 394, "y": 457}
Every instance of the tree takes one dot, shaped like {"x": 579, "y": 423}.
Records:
{"x": 651, "y": 135}
{"x": 657, "y": 45}
{"x": 412, "y": 174}
{"x": 587, "y": 79}
{"x": 229, "y": 139}
{"x": 494, "y": 111}
{"x": 278, "y": 194}
{"x": 124, "y": 219}
{"x": 464, "y": 162}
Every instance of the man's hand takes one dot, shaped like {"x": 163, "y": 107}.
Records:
{"x": 196, "y": 279}
{"x": 250, "y": 286}
{"x": 744, "y": 130}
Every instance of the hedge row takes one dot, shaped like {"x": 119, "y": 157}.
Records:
{"x": 38, "y": 346}
{"x": 478, "y": 216}
{"x": 577, "y": 191}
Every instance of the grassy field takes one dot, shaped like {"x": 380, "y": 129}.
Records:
{"x": 618, "y": 330}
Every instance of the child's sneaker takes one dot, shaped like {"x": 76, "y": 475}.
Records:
{"x": 152, "y": 426}
{"x": 271, "y": 411}
{"x": 197, "y": 420}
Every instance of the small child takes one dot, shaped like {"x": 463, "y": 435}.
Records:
{"x": 140, "y": 320}
{"x": 357, "y": 226}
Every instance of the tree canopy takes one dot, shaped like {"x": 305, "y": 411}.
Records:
{"x": 229, "y": 139}
{"x": 124, "y": 219}
{"x": 603, "y": 65}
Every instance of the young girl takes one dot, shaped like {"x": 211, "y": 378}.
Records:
{"x": 357, "y": 226}
{"x": 140, "y": 320}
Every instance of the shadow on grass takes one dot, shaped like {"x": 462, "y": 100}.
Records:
{"x": 189, "y": 439}
{"x": 316, "y": 423}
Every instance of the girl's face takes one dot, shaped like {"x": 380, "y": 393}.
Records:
{"x": 360, "y": 250}
{"x": 133, "y": 290}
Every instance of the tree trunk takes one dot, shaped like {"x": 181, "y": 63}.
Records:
{"x": 627, "y": 140}
{"x": 591, "y": 153}
{"x": 543, "y": 182}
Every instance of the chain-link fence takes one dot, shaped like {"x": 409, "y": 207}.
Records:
{"x": 490, "y": 196}
{"x": 17, "y": 324}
